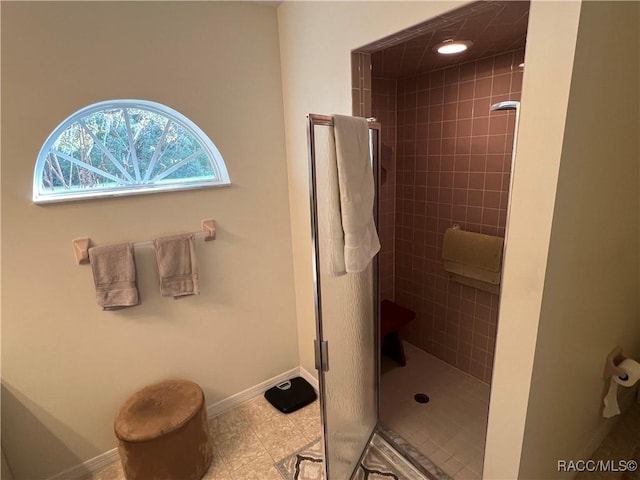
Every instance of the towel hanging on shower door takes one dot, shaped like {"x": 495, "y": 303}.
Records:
{"x": 357, "y": 191}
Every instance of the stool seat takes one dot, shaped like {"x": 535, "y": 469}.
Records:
{"x": 157, "y": 409}
{"x": 163, "y": 433}
{"x": 392, "y": 318}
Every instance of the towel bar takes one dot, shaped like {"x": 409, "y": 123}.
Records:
{"x": 81, "y": 245}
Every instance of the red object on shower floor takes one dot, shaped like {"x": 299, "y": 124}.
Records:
{"x": 392, "y": 318}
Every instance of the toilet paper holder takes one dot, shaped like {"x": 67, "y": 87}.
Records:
{"x": 611, "y": 367}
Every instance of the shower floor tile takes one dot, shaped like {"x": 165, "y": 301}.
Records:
{"x": 450, "y": 429}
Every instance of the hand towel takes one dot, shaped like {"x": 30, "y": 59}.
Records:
{"x": 357, "y": 190}
{"x": 176, "y": 257}
{"x": 474, "y": 249}
{"x": 114, "y": 275}
{"x": 471, "y": 276}
{"x": 473, "y": 259}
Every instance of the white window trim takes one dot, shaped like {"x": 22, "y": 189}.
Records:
{"x": 209, "y": 148}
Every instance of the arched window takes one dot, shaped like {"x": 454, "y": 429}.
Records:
{"x": 125, "y": 147}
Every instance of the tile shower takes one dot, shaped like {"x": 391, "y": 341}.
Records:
{"x": 445, "y": 160}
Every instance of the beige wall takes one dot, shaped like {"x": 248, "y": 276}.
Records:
{"x": 549, "y": 53}
{"x": 67, "y": 365}
{"x": 590, "y": 301}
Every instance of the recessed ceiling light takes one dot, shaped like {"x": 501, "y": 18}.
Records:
{"x": 449, "y": 47}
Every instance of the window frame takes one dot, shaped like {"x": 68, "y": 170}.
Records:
{"x": 40, "y": 196}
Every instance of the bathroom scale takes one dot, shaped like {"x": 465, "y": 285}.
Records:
{"x": 291, "y": 395}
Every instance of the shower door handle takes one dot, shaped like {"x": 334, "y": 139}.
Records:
{"x": 321, "y": 351}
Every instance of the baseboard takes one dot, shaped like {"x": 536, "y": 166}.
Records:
{"x": 304, "y": 373}
{"x": 5, "y": 471}
{"x": 97, "y": 463}
{"x": 228, "y": 403}
{"x": 90, "y": 466}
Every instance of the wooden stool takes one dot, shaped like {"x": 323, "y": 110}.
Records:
{"x": 392, "y": 318}
{"x": 163, "y": 433}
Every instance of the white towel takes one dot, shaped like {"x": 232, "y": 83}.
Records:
{"x": 176, "y": 258}
{"x": 114, "y": 275}
{"x": 328, "y": 205}
{"x": 357, "y": 190}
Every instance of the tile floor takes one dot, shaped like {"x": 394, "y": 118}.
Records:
{"x": 248, "y": 440}
{"x": 622, "y": 443}
{"x": 450, "y": 430}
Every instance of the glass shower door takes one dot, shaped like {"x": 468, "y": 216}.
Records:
{"x": 346, "y": 354}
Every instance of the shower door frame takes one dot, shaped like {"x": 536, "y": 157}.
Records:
{"x": 320, "y": 346}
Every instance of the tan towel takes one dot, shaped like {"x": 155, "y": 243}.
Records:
{"x": 114, "y": 275}
{"x": 473, "y": 259}
{"x": 469, "y": 276}
{"x": 357, "y": 190}
{"x": 176, "y": 257}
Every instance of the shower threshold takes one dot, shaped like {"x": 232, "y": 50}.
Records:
{"x": 383, "y": 458}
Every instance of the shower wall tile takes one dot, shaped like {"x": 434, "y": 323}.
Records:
{"x": 384, "y": 110}
{"x": 452, "y": 166}
{"x": 361, "y": 84}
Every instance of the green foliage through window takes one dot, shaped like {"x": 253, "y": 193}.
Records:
{"x": 125, "y": 147}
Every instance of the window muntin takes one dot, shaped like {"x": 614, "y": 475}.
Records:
{"x": 125, "y": 147}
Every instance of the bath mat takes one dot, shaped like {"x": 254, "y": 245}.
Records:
{"x": 305, "y": 464}
{"x": 380, "y": 462}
